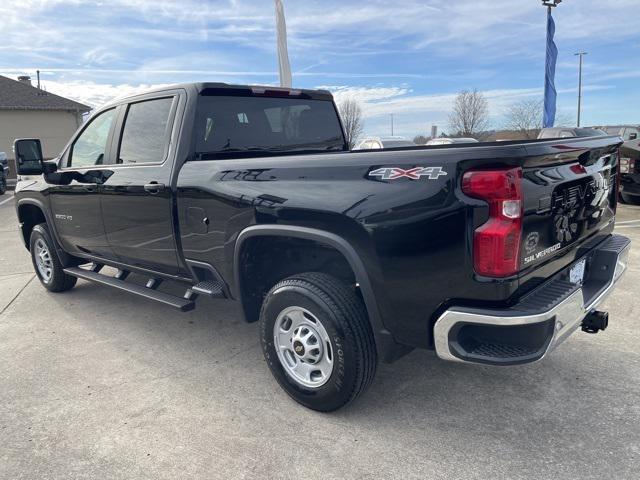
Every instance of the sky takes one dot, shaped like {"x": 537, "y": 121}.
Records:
{"x": 408, "y": 58}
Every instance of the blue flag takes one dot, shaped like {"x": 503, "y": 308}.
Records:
{"x": 550, "y": 75}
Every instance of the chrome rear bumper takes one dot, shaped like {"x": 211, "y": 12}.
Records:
{"x": 529, "y": 330}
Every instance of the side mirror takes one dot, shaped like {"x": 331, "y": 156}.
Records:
{"x": 28, "y": 153}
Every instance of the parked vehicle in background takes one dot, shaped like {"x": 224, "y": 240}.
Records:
{"x": 451, "y": 141}
{"x": 570, "y": 132}
{"x": 490, "y": 253}
{"x": 4, "y": 172}
{"x": 376, "y": 143}
{"x": 629, "y": 161}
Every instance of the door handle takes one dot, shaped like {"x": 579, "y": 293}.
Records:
{"x": 154, "y": 187}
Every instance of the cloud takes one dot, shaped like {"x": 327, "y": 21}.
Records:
{"x": 365, "y": 95}
{"x": 407, "y": 57}
{"x": 415, "y": 114}
{"x": 95, "y": 94}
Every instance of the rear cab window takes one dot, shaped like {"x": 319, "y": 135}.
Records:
{"x": 253, "y": 124}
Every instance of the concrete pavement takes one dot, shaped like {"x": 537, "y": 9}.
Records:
{"x": 98, "y": 384}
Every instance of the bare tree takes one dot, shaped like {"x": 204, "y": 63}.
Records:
{"x": 525, "y": 117}
{"x": 563, "y": 120}
{"x": 470, "y": 115}
{"x": 351, "y": 115}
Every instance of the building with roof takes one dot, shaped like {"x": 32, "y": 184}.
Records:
{"x": 27, "y": 111}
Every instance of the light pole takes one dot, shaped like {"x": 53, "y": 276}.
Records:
{"x": 392, "y": 124}
{"x": 580, "y": 54}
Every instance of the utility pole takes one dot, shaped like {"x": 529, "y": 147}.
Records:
{"x": 580, "y": 54}
{"x": 392, "y": 124}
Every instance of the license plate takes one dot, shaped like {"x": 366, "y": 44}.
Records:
{"x": 576, "y": 274}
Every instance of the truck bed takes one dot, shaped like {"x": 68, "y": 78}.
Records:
{"x": 414, "y": 234}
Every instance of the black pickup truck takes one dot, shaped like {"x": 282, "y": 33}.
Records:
{"x": 486, "y": 253}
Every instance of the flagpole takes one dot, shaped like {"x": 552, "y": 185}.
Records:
{"x": 550, "y": 68}
{"x": 283, "y": 52}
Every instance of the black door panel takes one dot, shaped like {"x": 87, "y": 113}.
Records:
{"x": 139, "y": 224}
{"x": 74, "y": 191}
{"x": 77, "y": 217}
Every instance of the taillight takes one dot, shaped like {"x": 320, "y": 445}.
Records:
{"x": 624, "y": 165}
{"x": 496, "y": 243}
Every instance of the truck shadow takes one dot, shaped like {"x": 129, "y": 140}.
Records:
{"x": 578, "y": 394}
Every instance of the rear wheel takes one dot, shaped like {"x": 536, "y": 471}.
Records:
{"x": 46, "y": 263}
{"x": 630, "y": 199}
{"x": 3, "y": 185}
{"x": 317, "y": 340}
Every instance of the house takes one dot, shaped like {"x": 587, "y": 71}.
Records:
{"x": 27, "y": 111}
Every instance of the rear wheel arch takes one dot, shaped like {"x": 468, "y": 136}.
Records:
{"x": 244, "y": 275}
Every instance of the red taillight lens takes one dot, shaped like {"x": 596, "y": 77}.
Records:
{"x": 496, "y": 243}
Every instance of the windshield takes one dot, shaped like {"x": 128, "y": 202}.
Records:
{"x": 398, "y": 143}
{"x": 271, "y": 124}
{"x": 570, "y": 132}
{"x": 589, "y": 132}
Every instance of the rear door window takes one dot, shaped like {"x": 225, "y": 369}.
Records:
{"x": 146, "y": 132}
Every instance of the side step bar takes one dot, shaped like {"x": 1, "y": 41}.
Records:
{"x": 182, "y": 304}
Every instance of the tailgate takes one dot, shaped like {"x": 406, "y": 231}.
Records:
{"x": 569, "y": 197}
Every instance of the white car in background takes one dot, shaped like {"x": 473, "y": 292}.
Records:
{"x": 376, "y": 143}
{"x": 451, "y": 141}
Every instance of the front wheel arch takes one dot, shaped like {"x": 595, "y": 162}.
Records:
{"x": 32, "y": 212}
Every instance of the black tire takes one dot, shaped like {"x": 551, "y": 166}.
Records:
{"x": 630, "y": 199}
{"x": 58, "y": 281}
{"x": 344, "y": 318}
{"x": 3, "y": 185}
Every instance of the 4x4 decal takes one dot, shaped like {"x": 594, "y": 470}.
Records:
{"x": 393, "y": 173}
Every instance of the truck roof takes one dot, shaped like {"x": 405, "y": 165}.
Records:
{"x": 219, "y": 88}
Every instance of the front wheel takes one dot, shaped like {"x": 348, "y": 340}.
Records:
{"x": 46, "y": 263}
{"x": 317, "y": 340}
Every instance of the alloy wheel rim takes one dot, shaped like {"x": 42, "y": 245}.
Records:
{"x": 43, "y": 260}
{"x": 303, "y": 347}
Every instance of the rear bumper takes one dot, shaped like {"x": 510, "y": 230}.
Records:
{"x": 537, "y": 324}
